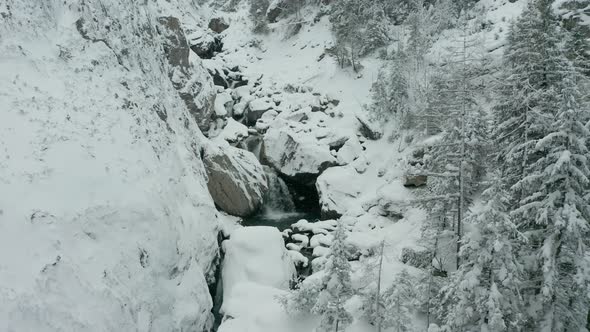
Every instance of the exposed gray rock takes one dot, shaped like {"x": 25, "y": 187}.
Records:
{"x": 218, "y": 24}
{"x": 368, "y": 129}
{"x": 237, "y": 181}
{"x": 413, "y": 180}
{"x": 183, "y": 73}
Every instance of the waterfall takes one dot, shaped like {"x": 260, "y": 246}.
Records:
{"x": 278, "y": 197}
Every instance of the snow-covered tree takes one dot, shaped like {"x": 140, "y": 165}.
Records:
{"x": 398, "y": 301}
{"x": 557, "y": 214}
{"x": 326, "y": 297}
{"x": 544, "y": 148}
{"x": 483, "y": 294}
{"x": 337, "y": 288}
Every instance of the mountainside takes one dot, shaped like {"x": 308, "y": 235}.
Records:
{"x": 106, "y": 220}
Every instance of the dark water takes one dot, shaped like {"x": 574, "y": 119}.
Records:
{"x": 279, "y": 219}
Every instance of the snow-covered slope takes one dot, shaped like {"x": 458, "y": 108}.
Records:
{"x": 106, "y": 223}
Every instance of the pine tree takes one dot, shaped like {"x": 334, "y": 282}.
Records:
{"x": 484, "y": 293}
{"x": 398, "y": 301}
{"x": 337, "y": 288}
{"x": 541, "y": 129}
{"x": 555, "y": 203}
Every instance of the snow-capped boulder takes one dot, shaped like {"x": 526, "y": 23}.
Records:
{"x": 234, "y": 131}
{"x": 256, "y": 108}
{"x": 339, "y": 189}
{"x": 224, "y": 104}
{"x": 205, "y": 44}
{"x": 296, "y": 155}
{"x": 236, "y": 180}
{"x": 350, "y": 151}
{"x": 255, "y": 255}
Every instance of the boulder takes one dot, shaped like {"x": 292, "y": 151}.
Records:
{"x": 218, "y": 24}
{"x": 206, "y": 45}
{"x": 224, "y": 104}
{"x": 339, "y": 189}
{"x": 256, "y": 108}
{"x": 368, "y": 129}
{"x": 236, "y": 180}
{"x": 297, "y": 156}
{"x": 350, "y": 151}
{"x": 415, "y": 180}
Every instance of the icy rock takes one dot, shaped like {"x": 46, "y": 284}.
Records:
{"x": 255, "y": 255}
{"x": 337, "y": 196}
{"x": 299, "y": 157}
{"x": 236, "y": 180}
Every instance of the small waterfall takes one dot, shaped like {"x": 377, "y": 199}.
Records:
{"x": 278, "y": 197}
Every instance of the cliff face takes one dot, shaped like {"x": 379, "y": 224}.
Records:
{"x": 106, "y": 223}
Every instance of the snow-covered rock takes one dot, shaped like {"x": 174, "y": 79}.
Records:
{"x": 296, "y": 155}
{"x": 350, "y": 151}
{"x": 255, "y": 255}
{"x": 223, "y": 104}
{"x": 337, "y": 196}
{"x": 236, "y": 179}
{"x": 234, "y": 131}
{"x": 256, "y": 108}
{"x": 105, "y": 220}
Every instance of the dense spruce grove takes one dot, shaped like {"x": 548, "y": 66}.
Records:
{"x": 520, "y": 259}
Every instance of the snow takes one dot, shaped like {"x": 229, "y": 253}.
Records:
{"x": 105, "y": 217}
{"x": 221, "y": 100}
{"x": 257, "y": 255}
{"x": 234, "y": 131}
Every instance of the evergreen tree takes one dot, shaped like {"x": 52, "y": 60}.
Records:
{"x": 484, "y": 293}
{"x": 337, "y": 288}
{"x": 541, "y": 129}
{"x": 555, "y": 203}
{"x": 398, "y": 301}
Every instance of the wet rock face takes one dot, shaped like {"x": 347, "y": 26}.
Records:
{"x": 237, "y": 181}
{"x": 182, "y": 74}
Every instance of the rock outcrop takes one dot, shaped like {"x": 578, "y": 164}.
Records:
{"x": 296, "y": 156}
{"x": 237, "y": 181}
{"x": 184, "y": 74}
